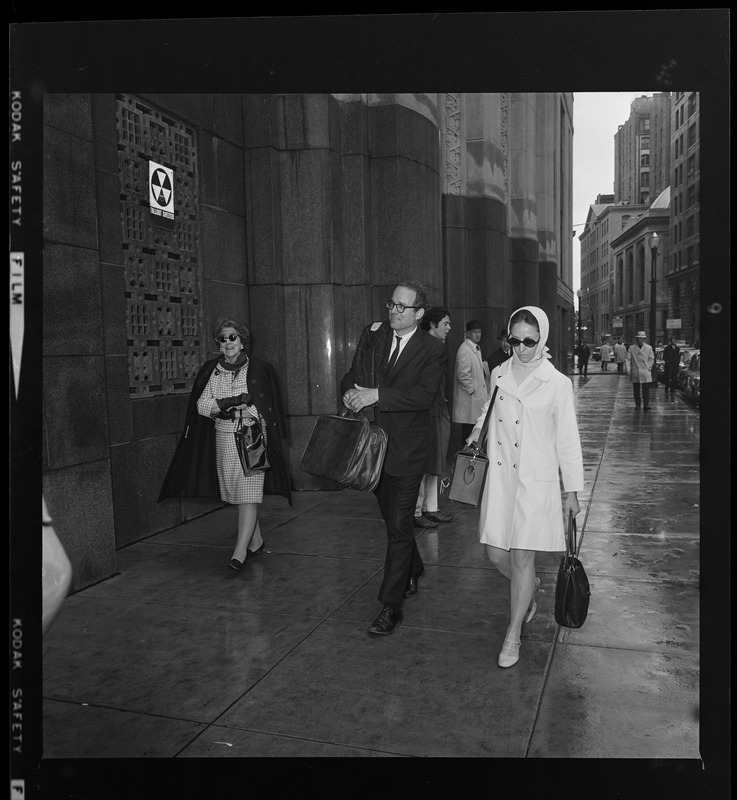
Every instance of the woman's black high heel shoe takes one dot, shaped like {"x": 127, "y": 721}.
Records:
{"x": 235, "y": 564}
{"x": 252, "y": 553}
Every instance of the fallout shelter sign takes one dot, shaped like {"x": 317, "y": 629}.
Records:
{"x": 161, "y": 191}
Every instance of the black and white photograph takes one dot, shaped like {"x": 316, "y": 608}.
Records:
{"x": 285, "y": 329}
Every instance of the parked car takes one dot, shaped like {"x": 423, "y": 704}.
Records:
{"x": 596, "y": 354}
{"x": 689, "y": 378}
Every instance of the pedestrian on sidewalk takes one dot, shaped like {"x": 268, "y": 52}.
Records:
{"x": 583, "y": 352}
{"x": 639, "y": 365}
{"x": 532, "y": 437}
{"x": 672, "y": 358}
{"x": 427, "y": 511}
{"x": 470, "y": 388}
{"x": 206, "y": 462}
{"x": 606, "y": 354}
{"x": 396, "y": 373}
{"x": 620, "y": 354}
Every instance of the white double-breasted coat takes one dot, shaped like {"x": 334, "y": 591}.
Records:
{"x": 533, "y": 445}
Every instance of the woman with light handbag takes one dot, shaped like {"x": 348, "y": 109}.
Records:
{"x": 532, "y": 443}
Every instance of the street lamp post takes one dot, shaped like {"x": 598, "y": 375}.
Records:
{"x": 579, "y": 293}
{"x": 654, "y": 242}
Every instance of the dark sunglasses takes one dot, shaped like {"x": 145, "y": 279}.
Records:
{"x": 231, "y": 337}
{"x": 514, "y": 341}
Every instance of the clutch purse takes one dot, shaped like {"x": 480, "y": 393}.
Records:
{"x": 572, "y": 590}
{"x": 347, "y": 449}
{"x": 251, "y": 446}
{"x": 468, "y": 472}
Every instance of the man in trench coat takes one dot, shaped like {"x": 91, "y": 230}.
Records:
{"x": 639, "y": 366}
{"x": 470, "y": 388}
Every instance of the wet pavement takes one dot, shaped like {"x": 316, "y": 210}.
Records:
{"x": 178, "y": 657}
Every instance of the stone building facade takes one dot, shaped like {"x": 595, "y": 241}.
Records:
{"x": 298, "y": 213}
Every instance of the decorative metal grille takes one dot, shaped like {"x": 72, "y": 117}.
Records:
{"x": 162, "y": 268}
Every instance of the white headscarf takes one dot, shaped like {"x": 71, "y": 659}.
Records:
{"x": 541, "y": 351}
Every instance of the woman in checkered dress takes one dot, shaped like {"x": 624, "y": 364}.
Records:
{"x": 226, "y": 399}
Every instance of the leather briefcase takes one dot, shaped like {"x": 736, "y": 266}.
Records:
{"x": 572, "y": 591}
{"x": 346, "y": 448}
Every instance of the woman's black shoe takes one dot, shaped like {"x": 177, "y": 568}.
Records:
{"x": 235, "y": 564}
{"x": 252, "y": 553}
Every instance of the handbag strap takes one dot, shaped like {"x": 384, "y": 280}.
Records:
{"x": 573, "y": 543}
{"x": 485, "y": 426}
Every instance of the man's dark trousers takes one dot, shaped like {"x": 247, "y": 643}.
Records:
{"x": 397, "y": 496}
{"x": 645, "y": 393}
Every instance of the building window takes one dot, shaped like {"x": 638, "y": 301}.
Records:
{"x": 689, "y": 256}
{"x": 690, "y": 226}
{"x": 645, "y": 160}
{"x": 641, "y": 271}
{"x": 645, "y": 143}
{"x": 630, "y": 279}
{"x": 691, "y": 103}
{"x": 692, "y": 135}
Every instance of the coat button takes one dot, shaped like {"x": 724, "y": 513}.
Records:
{"x": 516, "y": 444}
{"x": 499, "y": 462}
{"x": 516, "y": 422}
{"x": 501, "y": 398}
{"x": 498, "y": 442}
{"x": 515, "y": 466}
{"x": 500, "y": 419}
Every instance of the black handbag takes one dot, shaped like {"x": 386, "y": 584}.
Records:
{"x": 251, "y": 446}
{"x": 347, "y": 449}
{"x": 466, "y": 480}
{"x": 572, "y": 590}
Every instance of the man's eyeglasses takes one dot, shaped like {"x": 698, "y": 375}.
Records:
{"x": 514, "y": 341}
{"x": 390, "y": 304}
{"x": 231, "y": 337}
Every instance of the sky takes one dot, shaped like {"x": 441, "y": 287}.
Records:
{"x": 596, "y": 117}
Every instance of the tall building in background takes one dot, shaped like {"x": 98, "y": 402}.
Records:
{"x": 683, "y": 265}
{"x": 642, "y": 150}
{"x": 605, "y": 221}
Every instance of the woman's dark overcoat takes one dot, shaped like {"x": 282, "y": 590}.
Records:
{"x": 193, "y": 468}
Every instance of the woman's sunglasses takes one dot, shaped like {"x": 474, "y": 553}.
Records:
{"x": 231, "y": 337}
{"x": 514, "y": 341}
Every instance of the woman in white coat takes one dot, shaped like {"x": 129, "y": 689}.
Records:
{"x": 532, "y": 436}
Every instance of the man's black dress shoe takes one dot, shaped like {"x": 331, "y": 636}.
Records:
{"x": 235, "y": 564}
{"x": 386, "y": 622}
{"x": 412, "y": 587}
{"x": 647, "y": 408}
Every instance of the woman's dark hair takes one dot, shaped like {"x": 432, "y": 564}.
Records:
{"x": 434, "y": 315}
{"x": 241, "y": 327}
{"x": 523, "y": 315}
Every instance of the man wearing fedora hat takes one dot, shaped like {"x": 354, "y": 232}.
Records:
{"x": 639, "y": 366}
{"x": 470, "y": 388}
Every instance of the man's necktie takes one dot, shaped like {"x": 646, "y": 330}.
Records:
{"x": 395, "y": 353}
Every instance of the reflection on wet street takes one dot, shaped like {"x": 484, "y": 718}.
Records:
{"x": 174, "y": 657}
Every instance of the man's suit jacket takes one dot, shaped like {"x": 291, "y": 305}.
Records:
{"x": 406, "y": 395}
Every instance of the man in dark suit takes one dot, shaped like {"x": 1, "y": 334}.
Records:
{"x": 396, "y": 372}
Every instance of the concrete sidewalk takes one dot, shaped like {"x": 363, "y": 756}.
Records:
{"x": 177, "y": 657}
